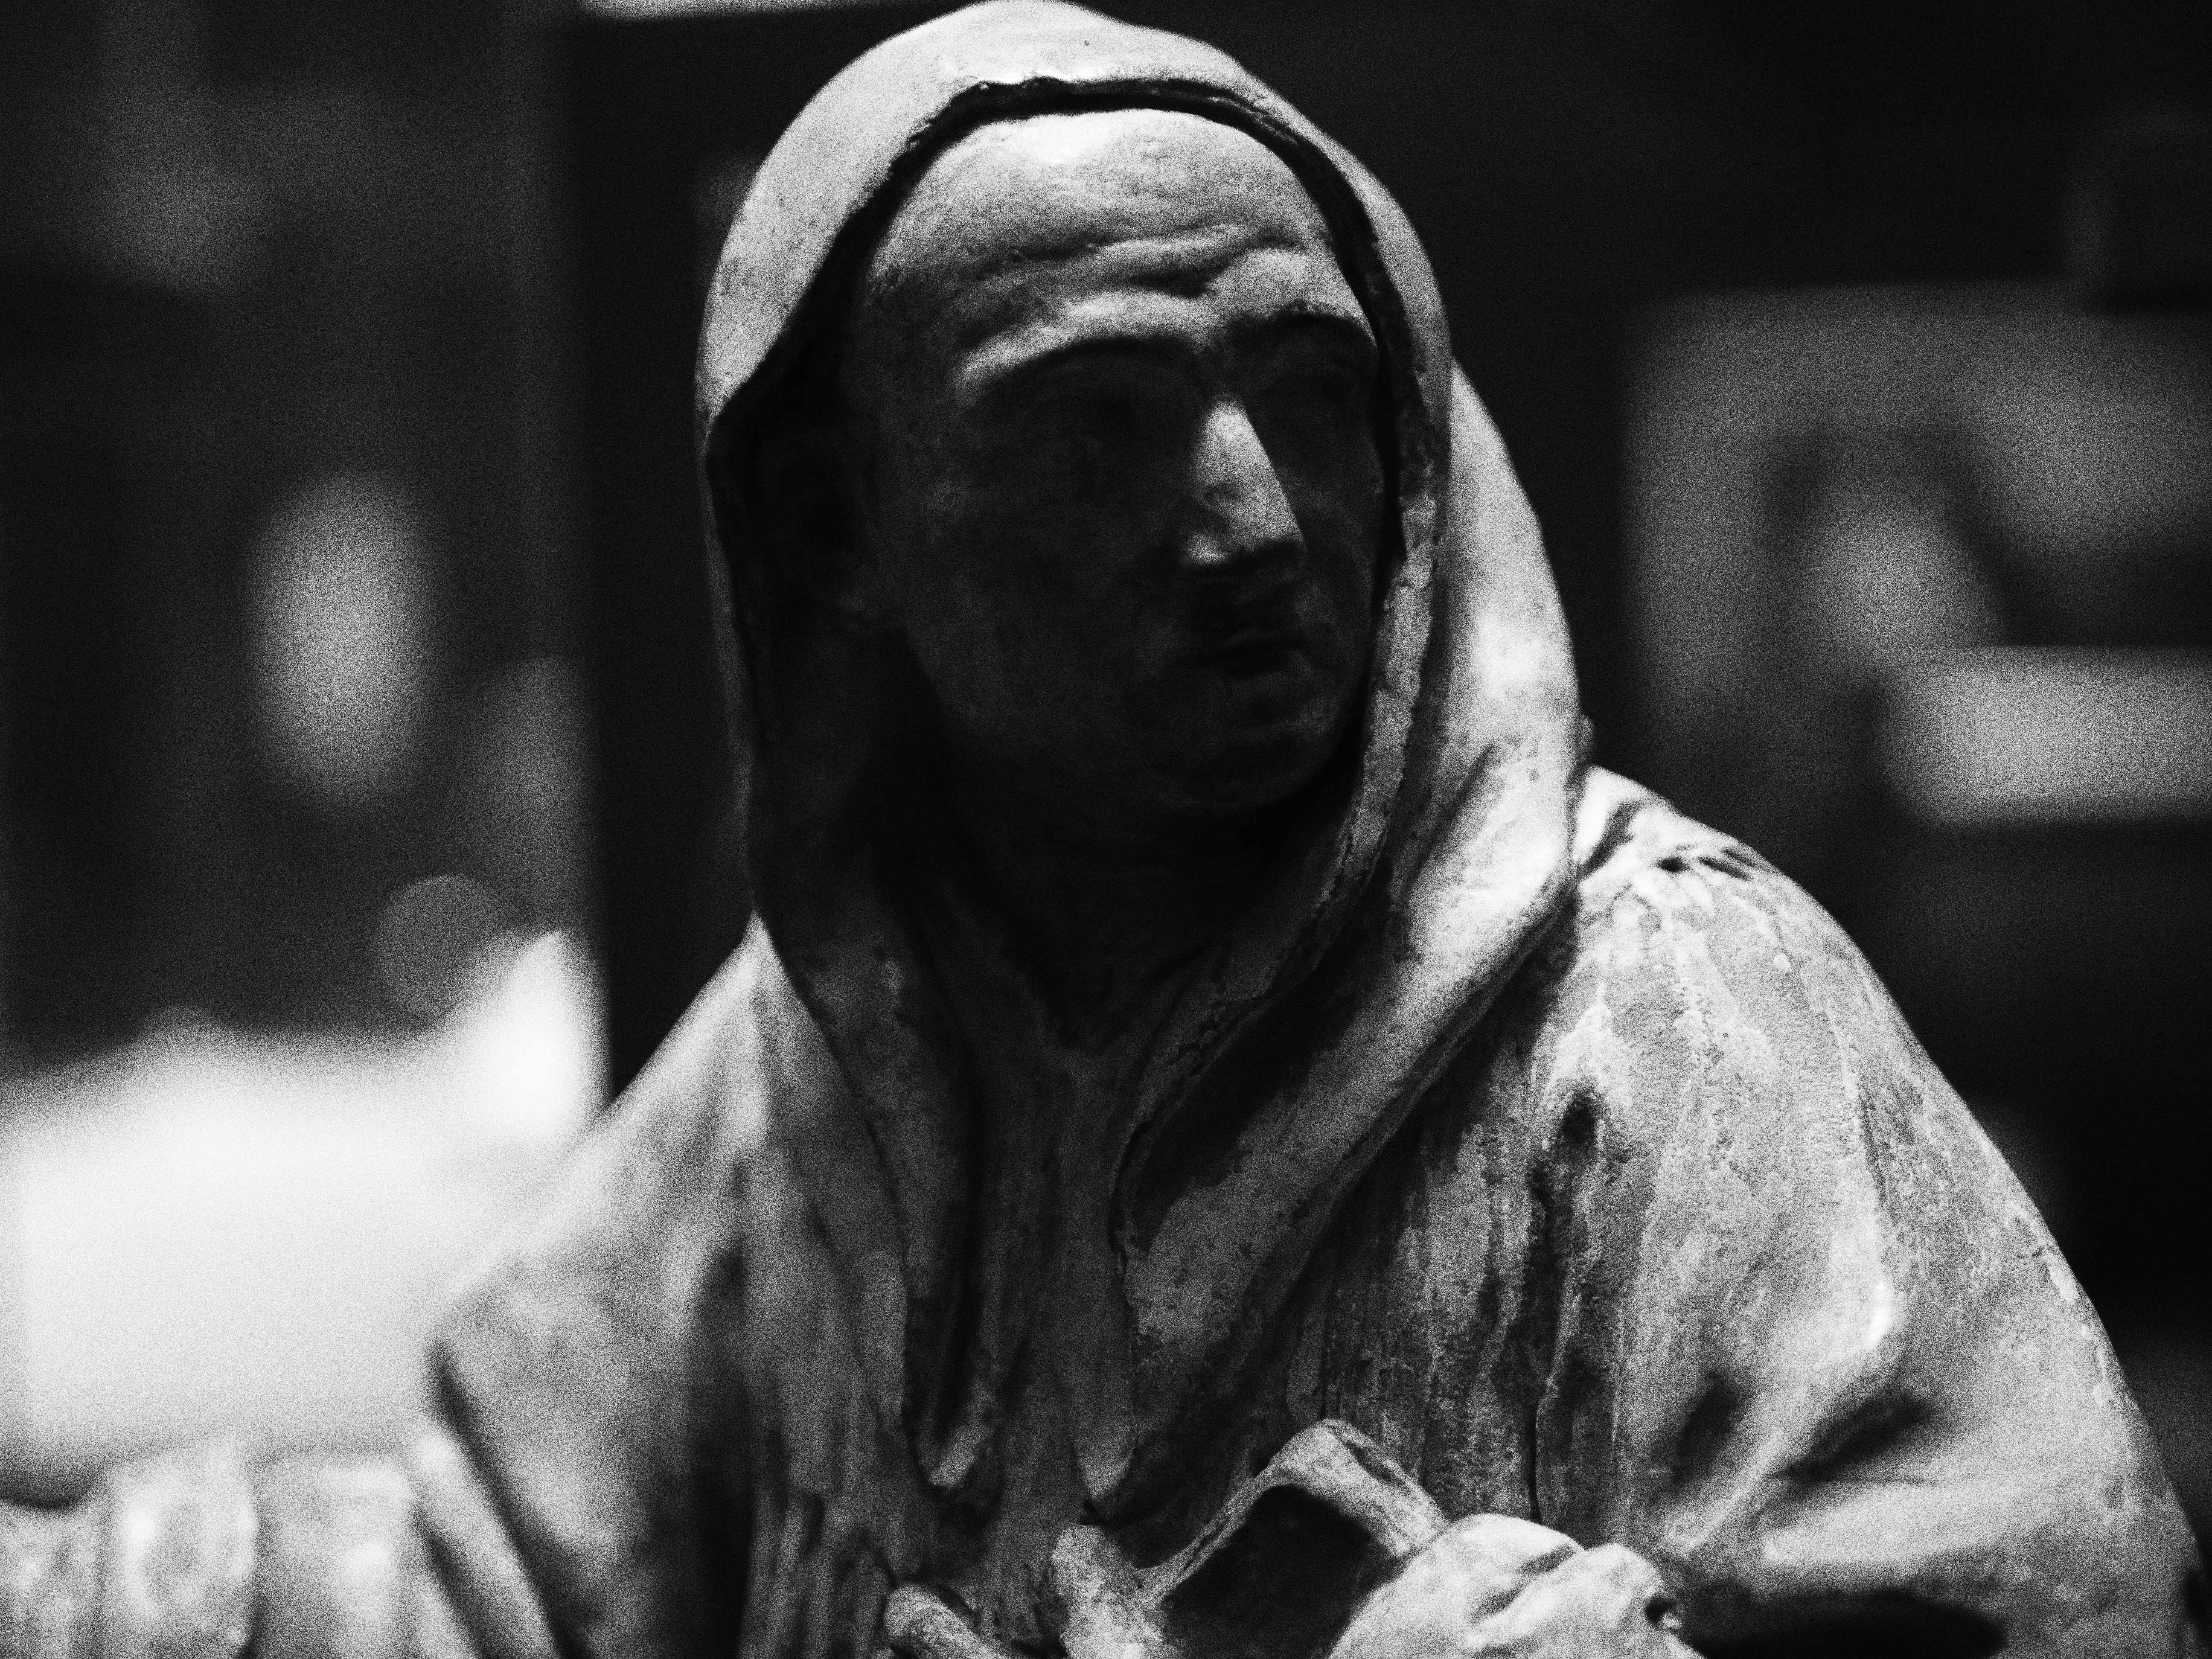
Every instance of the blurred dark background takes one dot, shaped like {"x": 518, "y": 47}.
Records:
{"x": 1857, "y": 358}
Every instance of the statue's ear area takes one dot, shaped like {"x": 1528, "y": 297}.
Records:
{"x": 807, "y": 491}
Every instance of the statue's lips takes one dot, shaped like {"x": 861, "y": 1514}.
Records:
{"x": 1250, "y": 656}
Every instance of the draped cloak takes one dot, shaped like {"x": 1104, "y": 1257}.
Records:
{"x": 1553, "y": 1140}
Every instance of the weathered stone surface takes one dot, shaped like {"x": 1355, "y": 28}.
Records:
{"x": 1225, "y": 1137}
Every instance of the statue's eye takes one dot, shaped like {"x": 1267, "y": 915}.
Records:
{"x": 1116, "y": 400}
{"x": 1096, "y": 425}
{"x": 1310, "y": 373}
{"x": 1310, "y": 398}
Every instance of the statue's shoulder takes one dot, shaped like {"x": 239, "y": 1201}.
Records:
{"x": 1688, "y": 977}
{"x": 1648, "y": 874}
{"x": 1623, "y": 831}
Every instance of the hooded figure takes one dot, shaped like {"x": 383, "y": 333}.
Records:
{"x": 1553, "y": 1143}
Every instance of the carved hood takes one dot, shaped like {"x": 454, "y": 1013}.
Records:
{"x": 1304, "y": 1041}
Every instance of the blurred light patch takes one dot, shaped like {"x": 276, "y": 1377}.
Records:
{"x": 213, "y": 1233}
{"x": 2028, "y": 735}
{"x": 2096, "y": 442}
{"x": 432, "y": 937}
{"x": 1885, "y": 578}
{"x": 342, "y": 632}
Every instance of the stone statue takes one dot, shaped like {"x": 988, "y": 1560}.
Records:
{"x": 1226, "y": 1137}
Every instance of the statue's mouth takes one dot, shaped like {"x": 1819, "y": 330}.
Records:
{"x": 1255, "y": 652}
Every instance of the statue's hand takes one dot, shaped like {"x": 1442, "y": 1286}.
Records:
{"x": 1492, "y": 1585}
{"x": 1279, "y": 1569}
{"x": 1489, "y": 1586}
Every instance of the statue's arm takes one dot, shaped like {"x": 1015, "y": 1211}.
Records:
{"x": 1818, "y": 1358}
{"x": 167, "y": 1545}
{"x": 206, "y": 1553}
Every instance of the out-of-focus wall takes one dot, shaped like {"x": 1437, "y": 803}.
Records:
{"x": 283, "y": 610}
{"x": 295, "y": 1002}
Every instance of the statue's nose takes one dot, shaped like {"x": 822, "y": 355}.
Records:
{"x": 1238, "y": 515}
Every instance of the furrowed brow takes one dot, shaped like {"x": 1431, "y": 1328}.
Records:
{"x": 1010, "y": 365}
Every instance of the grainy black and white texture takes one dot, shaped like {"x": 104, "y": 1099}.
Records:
{"x": 1555, "y": 1144}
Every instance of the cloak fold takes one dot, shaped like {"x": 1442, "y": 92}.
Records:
{"x": 1554, "y": 1142}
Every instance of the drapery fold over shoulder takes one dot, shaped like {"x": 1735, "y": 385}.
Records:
{"x": 1555, "y": 1143}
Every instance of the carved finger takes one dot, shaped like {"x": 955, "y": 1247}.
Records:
{"x": 1605, "y": 1603}
{"x": 1099, "y": 1609}
{"x": 1473, "y": 1568}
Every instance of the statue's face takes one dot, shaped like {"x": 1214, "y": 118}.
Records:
{"x": 1120, "y": 480}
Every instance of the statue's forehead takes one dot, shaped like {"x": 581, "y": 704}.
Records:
{"x": 1145, "y": 196}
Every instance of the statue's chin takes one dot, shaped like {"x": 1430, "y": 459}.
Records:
{"x": 1235, "y": 733}
{"x": 1250, "y": 768}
